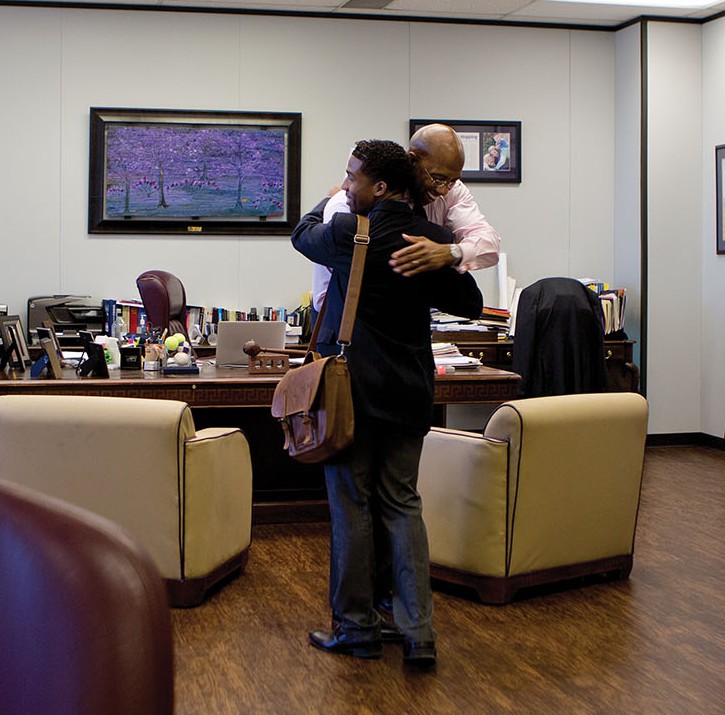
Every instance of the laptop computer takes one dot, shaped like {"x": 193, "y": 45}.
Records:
{"x": 232, "y": 334}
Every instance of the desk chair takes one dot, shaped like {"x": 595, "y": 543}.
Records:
{"x": 184, "y": 495}
{"x": 164, "y": 300}
{"x": 559, "y": 339}
{"x": 83, "y": 615}
{"x": 548, "y": 494}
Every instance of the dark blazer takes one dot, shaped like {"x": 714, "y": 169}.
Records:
{"x": 390, "y": 358}
{"x": 559, "y": 339}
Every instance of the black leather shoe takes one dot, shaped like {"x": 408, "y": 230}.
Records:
{"x": 346, "y": 644}
{"x": 420, "y": 653}
{"x": 389, "y": 632}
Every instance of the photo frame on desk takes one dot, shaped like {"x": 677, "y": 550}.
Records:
{"x": 47, "y": 331}
{"x": 15, "y": 348}
{"x": 95, "y": 365}
{"x": 719, "y": 198}
{"x": 194, "y": 172}
{"x": 55, "y": 369}
{"x": 492, "y": 148}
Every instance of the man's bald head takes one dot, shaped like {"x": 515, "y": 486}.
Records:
{"x": 437, "y": 155}
{"x": 440, "y": 144}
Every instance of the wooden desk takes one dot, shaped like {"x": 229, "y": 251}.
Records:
{"x": 622, "y": 371}
{"x": 284, "y": 490}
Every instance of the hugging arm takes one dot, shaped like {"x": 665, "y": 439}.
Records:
{"x": 455, "y": 293}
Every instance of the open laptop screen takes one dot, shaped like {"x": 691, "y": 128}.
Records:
{"x": 232, "y": 334}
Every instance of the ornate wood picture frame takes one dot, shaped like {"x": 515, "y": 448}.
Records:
{"x": 193, "y": 172}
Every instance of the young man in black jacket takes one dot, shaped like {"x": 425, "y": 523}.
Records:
{"x": 392, "y": 370}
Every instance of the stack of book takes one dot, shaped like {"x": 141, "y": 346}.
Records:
{"x": 450, "y": 328}
{"x": 448, "y": 355}
{"x": 498, "y": 319}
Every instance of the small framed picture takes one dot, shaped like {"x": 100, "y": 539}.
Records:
{"x": 719, "y": 206}
{"x": 54, "y": 367}
{"x": 14, "y": 345}
{"x": 48, "y": 331}
{"x": 492, "y": 148}
{"x": 95, "y": 365}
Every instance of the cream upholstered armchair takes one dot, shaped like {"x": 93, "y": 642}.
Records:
{"x": 186, "y": 496}
{"x": 549, "y": 493}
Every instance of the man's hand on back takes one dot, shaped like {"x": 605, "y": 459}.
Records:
{"x": 422, "y": 255}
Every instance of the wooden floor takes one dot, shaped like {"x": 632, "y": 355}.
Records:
{"x": 654, "y": 644}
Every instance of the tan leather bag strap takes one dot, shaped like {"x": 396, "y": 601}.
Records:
{"x": 352, "y": 297}
{"x": 362, "y": 239}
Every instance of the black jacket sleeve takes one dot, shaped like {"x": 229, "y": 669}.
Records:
{"x": 455, "y": 293}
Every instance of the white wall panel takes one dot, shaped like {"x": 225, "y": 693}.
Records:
{"x": 345, "y": 91}
{"x": 675, "y": 227}
{"x": 30, "y": 109}
{"x": 713, "y": 266}
{"x": 627, "y": 173}
{"x": 591, "y": 147}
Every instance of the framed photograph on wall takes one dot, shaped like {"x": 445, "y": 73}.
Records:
{"x": 719, "y": 207}
{"x": 15, "y": 349}
{"x": 493, "y": 149}
{"x": 193, "y": 172}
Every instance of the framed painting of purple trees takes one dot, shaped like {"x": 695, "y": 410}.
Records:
{"x": 194, "y": 172}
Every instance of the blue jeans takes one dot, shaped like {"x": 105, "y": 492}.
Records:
{"x": 377, "y": 479}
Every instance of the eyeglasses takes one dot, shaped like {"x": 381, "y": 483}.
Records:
{"x": 440, "y": 183}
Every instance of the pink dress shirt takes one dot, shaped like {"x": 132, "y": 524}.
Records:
{"x": 457, "y": 211}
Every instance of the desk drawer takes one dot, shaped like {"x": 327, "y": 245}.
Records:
{"x": 498, "y": 355}
{"x": 487, "y": 354}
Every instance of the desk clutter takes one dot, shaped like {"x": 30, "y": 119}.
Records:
{"x": 130, "y": 341}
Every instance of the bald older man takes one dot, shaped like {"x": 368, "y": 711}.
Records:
{"x": 437, "y": 155}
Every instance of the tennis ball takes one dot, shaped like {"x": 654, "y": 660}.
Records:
{"x": 180, "y": 337}
{"x": 171, "y": 343}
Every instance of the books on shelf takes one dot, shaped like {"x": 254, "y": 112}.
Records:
{"x": 613, "y": 302}
{"x": 132, "y": 313}
{"x": 202, "y": 320}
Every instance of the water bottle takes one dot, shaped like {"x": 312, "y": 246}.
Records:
{"x": 118, "y": 330}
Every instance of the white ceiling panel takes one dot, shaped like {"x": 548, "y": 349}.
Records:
{"x": 521, "y": 11}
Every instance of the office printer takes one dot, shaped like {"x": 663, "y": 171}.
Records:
{"x": 68, "y": 314}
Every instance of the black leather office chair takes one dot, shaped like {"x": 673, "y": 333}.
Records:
{"x": 559, "y": 339}
{"x": 164, "y": 300}
{"x": 83, "y": 614}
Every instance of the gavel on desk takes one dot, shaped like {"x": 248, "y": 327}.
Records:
{"x": 252, "y": 349}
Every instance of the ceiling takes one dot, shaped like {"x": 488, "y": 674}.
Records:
{"x": 520, "y": 11}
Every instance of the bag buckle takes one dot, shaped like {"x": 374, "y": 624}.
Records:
{"x": 286, "y": 431}
{"x": 361, "y": 238}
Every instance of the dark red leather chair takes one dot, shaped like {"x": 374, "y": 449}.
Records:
{"x": 164, "y": 300}
{"x": 84, "y": 620}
